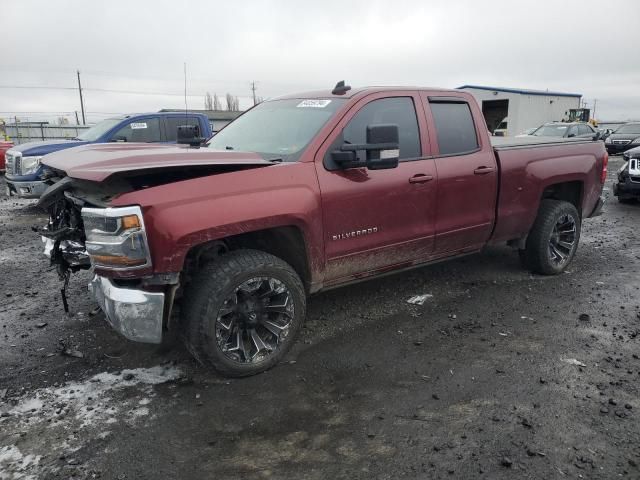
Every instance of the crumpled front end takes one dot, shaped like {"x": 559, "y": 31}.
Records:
{"x": 81, "y": 235}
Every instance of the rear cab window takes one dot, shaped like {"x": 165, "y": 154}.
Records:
{"x": 455, "y": 128}
{"x": 172, "y": 123}
{"x": 145, "y": 130}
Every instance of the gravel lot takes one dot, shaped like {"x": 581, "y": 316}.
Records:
{"x": 501, "y": 374}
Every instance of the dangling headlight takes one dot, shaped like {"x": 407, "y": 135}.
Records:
{"x": 116, "y": 238}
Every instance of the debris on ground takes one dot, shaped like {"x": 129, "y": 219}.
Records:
{"x": 419, "y": 299}
{"x": 573, "y": 361}
{"x": 70, "y": 352}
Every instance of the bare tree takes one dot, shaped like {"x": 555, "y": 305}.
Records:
{"x": 233, "y": 104}
{"x": 217, "y": 104}
{"x": 208, "y": 102}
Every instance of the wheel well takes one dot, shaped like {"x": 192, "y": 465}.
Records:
{"x": 286, "y": 243}
{"x": 568, "y": 191}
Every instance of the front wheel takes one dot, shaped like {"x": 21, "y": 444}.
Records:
{"x": 553, "y": 240}
{"x": 243, "y": 312}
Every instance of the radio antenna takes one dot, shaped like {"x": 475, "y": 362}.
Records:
{"x": 186, "y": 108}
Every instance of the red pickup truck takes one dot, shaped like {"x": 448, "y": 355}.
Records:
{"x": 300, "y": 194}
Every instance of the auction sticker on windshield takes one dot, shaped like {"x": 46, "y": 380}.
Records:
{"x": 313, "y": 103}
{"x": 137, "y": 126}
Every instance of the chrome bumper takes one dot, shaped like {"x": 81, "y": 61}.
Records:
{"x": 25, "y": 189}
{"x": 136, "y": 314}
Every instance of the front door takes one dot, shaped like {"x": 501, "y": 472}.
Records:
{"x": 376, "y": 219}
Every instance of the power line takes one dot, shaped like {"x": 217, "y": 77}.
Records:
{"x": 36, "y": 87}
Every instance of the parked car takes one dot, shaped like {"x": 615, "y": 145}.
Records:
{"x": 4, "y": 146}
{"x": 527, "y": 132}
{"x": 502, "y": 129}
{"x": 623, "y": 138}
{"x": 566, "y": 130}
{"x": 25, "y": 174}
{"x": 628, "y": 185}
{"x": 342, "y": 186}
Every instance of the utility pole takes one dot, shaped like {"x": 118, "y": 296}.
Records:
{"x": 253, "y": 90}
{"x": 81, "y": 100}
{"x": 595, "y": 102}
{"x": 77, "y": 119}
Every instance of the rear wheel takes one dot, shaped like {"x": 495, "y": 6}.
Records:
{"x": 553, "y": 240}
{"x": 243, "y": 312}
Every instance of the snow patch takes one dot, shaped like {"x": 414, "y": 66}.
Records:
{"x": 16, "y": 466}
{"x": 90, "y": 405}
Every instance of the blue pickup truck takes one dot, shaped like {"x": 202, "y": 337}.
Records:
{"x": 24, "y": 172}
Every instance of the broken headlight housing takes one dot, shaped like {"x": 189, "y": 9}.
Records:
{"x": 116, "y": 238}
{"x": 29, "y": 165}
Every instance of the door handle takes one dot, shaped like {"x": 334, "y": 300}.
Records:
{"x": 421, "y": 178}
{"x": 483, "y": 170}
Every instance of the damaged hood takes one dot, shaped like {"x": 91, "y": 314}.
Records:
{"x": 97, "y": 162}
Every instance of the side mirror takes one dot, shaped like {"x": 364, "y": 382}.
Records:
{"x": 382, "y": 149}
{"x": 385, "y": 141}
{"x": 571, "y": 135}
{"x": 189, "y": 135}
{"x": 597, "y": 136}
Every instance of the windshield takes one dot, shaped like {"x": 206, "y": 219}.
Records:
{"x": 551, "y": 131}
{"x": 98, "y": 130}
{"x": 632, "y": 128}
{"x": 277, "y": 128}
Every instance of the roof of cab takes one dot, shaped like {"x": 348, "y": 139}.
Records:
{"x": 363, "y": 91}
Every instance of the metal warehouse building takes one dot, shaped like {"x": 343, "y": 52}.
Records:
{"x": 522, "y": 109}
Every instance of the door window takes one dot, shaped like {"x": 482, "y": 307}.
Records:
{"x": 172, "y": 124}
{"x": 395, "y": 110}
{"x": 584, "y": 130}
{"x": 454, "y": 127}
{"x": 145, "y": 130}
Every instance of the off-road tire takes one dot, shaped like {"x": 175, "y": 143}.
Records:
{"x": 536, "y": 255}
{"x": 207, "y": 292}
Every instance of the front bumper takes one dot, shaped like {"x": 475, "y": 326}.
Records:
{"x": 134, "y": 313}
{"x": 626, "y": 189}
{"x": 25, "y": 189}
{"x": 618, "y": 148}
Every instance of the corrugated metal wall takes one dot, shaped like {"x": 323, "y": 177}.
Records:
{"x": 528, "y": 111}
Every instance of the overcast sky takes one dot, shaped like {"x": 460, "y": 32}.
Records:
{"x": 587, "y": 47}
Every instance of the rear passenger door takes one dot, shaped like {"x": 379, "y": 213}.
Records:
{"x": 467, "y": 175}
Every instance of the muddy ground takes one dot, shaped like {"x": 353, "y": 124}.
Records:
{"x": 501, "y": 374}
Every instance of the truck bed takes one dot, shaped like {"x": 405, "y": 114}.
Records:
{"x": 505, "y": 143}
{"x": 529, "y": 165}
